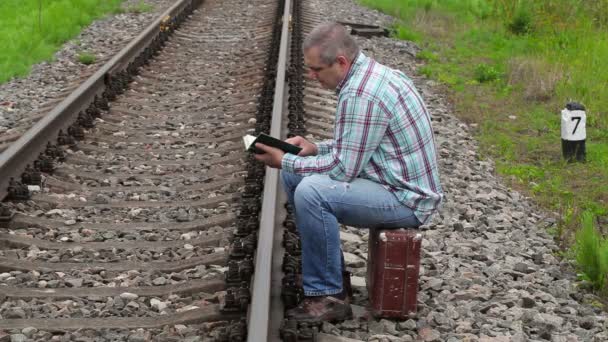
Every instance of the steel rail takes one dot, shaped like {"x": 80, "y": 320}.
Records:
{"x": 27, "y": 148}
{"x": 263, "y": 324}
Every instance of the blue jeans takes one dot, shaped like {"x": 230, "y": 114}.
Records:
{"x": 320, "y": 204}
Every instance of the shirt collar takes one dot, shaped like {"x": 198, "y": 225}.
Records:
{"x": 355, "y": 65}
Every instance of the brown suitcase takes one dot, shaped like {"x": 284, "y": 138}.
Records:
{"x": 392, "y": 271}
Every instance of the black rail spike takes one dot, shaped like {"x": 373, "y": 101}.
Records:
{"x": 6, "y": 215}
{"x": 289, "y": 330}
{"x": 85, "y": 120}
{"x": 254, "y": 205}
{"x": 246, "y": 211}
{"x": 17, "y": 191}
{"x": 236, "y": 250}
{"x": 123, "y": 80}
{"x": 306, "y": 332}
{"x": 292, "y": 246}
{"x": 289, "y": 236}
{"x": 223, "y": 334}
{"x": 101, "y": 102}
{"x": 242, "y": 229}
{"x": 76, "y": 131}
{"x": 253, "y": 225}
{"x": 246, "y": 269}
{"x": 115, "y": 85}
{"x": 45, "y": 163}
{"x": 233, "y": 276}
{"x": 250, "y": 243}
{"x": 230, "y": 303}
{"x": 290, "y": 224}
{"x": 109, "y": 93}
{"x": 26, "y": 176}
{"x": 237, "y": 333}
{"x": 65, "y": 139}
{"x": 93, "y": 111}
{"x": 291, "y": 264}
{"x": 54, "y": 152}
{"x": 31, "y": 176}
{"x": 132, "y": 69}
{"x": 290, "y": 294}
{"x": 243, "y": 296}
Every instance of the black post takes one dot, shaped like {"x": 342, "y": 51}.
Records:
{"x": 574, "y": 133}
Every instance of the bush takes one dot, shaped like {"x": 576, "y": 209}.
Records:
{"x": 521, "y": 23}
{"x": 486, "y": 73}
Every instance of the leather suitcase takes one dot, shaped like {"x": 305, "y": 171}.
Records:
{"x": 392, "y": 272}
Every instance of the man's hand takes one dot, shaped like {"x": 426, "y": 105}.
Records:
{"x": 308, "y": 148}
{"x": 272, "y": 157}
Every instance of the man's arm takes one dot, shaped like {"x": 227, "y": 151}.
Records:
{"x": 325, "y": 146}
{"x": 359, "y": 128}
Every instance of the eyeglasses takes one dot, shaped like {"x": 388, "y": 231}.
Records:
{"x": 317, "y": 70}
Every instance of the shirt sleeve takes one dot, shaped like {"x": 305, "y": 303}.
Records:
{"x": 324, "y": 147}
{"x": 360, "y": 126}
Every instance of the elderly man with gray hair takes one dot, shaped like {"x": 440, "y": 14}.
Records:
{"x": 379, "y": 170}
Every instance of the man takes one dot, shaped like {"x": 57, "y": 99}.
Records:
{"x": 380, "y": 170}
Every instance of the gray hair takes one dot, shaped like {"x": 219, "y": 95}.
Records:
{"x": 333, "y": 40}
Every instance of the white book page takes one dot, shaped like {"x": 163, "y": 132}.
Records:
{"x": 248, "y": 140}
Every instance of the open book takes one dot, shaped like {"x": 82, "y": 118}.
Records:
{"x": 266, "y": 139}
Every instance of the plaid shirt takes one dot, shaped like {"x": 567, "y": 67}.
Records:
{"x": 382, "y": 133}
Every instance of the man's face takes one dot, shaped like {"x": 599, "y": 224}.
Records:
{"x": 329, "y": 75}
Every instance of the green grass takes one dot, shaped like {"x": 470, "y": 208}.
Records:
{"x": 591, "y": 252}
{"x": 31, "y": 31}
{"x": 512, "y": 66}
{"x": 86, "y": 58}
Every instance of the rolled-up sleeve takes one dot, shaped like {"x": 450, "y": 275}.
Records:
{"x": 324, "y": 147}
{"x": 359, "y": 128}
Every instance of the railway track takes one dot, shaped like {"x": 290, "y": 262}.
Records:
{"x": 130, "y": 227}
{"x": 132, "y": 212}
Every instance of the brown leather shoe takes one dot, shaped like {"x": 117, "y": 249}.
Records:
{"x": 320, "y": 309}
{"x": 347, "y": 289}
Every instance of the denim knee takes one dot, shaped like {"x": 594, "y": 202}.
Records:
{"x": 290, "y": 182}
{"x": 307, "y": 194}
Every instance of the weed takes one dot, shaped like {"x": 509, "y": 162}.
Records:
{"x": 86, "y": 58}
{"x": 486, "y": 73}
{"x": 591, "y": 252}
{"x": 521, "y": 23}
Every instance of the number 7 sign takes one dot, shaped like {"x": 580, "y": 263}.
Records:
{"x": 573, "y": 125}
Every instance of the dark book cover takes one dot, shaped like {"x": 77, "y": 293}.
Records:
{"x": 266, "y": 139}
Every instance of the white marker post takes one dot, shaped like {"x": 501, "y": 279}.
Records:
{"x": 574, "y": 133}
